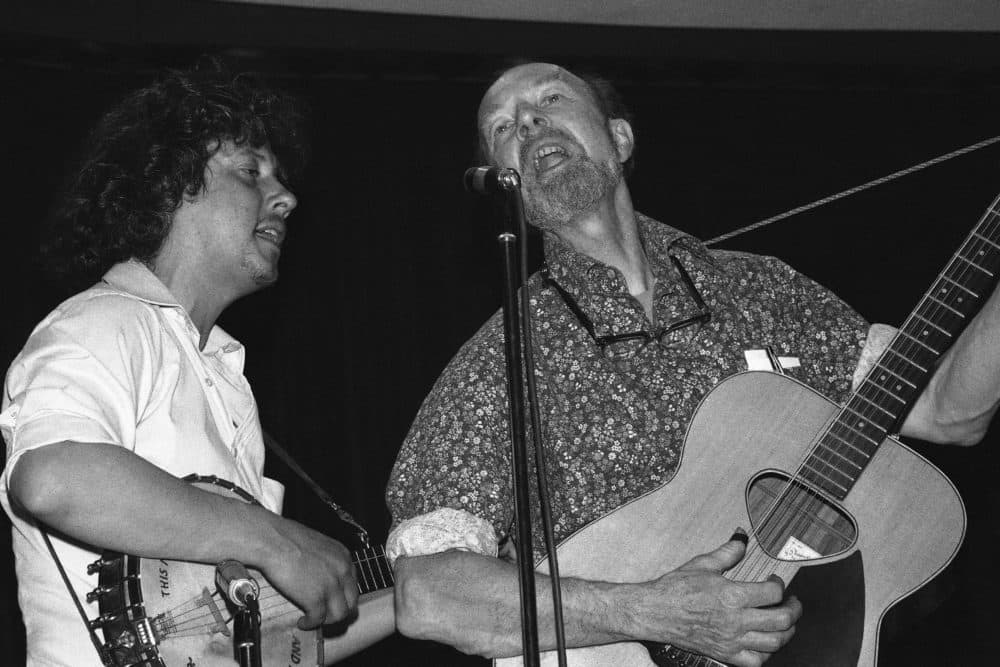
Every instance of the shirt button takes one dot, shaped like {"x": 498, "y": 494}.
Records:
{"x": 209, "y": 382}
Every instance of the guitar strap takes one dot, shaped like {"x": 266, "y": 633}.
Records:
{"x": 101, "y": 653}
{"x": 344, "y": 515}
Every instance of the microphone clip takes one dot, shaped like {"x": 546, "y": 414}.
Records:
{"x": 235, "y": 583}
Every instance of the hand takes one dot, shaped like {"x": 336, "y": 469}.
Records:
{"x": 697, "y": 609}
{"x": 314, "y": 571}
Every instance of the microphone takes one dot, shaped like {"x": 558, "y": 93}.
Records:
{"x": 489, "y": 180}
{"x": 236, "y": 584}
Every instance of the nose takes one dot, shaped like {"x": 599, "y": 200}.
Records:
{"x": 283, "y": 202}
{"x": 529, "y": 120}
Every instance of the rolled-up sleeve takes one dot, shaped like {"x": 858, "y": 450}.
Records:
{"x": 77, "y": 380}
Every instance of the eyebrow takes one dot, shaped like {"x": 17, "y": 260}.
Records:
{"x": 556, "y": 75}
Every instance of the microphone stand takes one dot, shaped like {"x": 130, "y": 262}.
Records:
{"x": 509, "y": 182}
{"x": 246, "y": 634}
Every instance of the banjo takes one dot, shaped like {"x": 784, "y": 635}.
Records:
{"x": 166, "y": 613}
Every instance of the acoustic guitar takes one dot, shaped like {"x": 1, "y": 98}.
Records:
{"x": 164, "y": 613}
{"x": 854, "y": 519}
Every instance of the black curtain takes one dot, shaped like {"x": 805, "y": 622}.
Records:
{"x": 390, "y": 266}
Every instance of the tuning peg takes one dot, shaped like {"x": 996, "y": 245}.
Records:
{"x": 100, "y": 621}
{"x": 96, "y": 566}
{"x": 98, "y": 592}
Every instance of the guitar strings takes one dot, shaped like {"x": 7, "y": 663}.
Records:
{"x": 791, "y": 517}
{"x": 907, "y": 346}
{"x": 797, "y": 515}
{"x": 193, "y": 617}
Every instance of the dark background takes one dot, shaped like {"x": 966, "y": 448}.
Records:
{"x": 390, "y": 266}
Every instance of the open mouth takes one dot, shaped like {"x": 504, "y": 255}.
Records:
{"x": 549, "y": 157}
{"x": 270, "y": 233}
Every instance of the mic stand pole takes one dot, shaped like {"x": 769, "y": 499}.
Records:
{"x": 246, "y": 634}
{"x": 510, "y": 182}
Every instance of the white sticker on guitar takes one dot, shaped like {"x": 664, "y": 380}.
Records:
{"x": 759, "y": 360}
{"x": 797, "y": 550}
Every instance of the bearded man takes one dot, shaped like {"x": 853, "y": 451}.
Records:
{"x": 634, "y": 323}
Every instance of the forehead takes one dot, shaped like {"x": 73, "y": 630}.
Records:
{"x": 522, "y": 79}
{"x": 227, "y": 148}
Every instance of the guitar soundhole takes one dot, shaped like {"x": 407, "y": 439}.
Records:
{"x": 793, "y": 522}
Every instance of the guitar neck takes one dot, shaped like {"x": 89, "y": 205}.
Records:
{"x": 371, "y": 567}
{"x": 901, "y": 372}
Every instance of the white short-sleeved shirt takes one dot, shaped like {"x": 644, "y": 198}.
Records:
{"x": 120, "y": 364}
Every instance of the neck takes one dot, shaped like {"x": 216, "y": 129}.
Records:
{"x": 202, "y": 302}
{"x": 610, "y": 234}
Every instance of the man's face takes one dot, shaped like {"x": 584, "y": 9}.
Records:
{"x": 544, "y": 122}
{"x": 232, "y": 231}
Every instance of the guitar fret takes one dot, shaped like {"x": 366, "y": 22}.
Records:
{"x": 876, "y": 406}
{"x": 927, "y": 321}
{"x": 384, "y": 561}
{"x": 827, "y": 468}
{"x": 974, "y": 265}
{"x": 960, "y": 286}
{"x": 919, "y": 342}
{"x": 817, "y": 472}
{"x": 939, "y": 301}
{"x": 906, "y": 359}
{"x": 896, "y": 375}
{"x": 849, "y": 444}
{"x": 368, "y": 574}
{"x": 840, "y": 455}
{"x": 857, "y": 432}
{"x": 379, "y": 561}
{"x": 868, "y": 382}
{"x": 378, "y": 568}
{"x": 372, "y": 570}
{"x": 866, "y": 420}
{"x": 992, "y": 243}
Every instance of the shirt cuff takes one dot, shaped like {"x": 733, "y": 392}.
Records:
{"x": 443, "y": 529}
{"x": 879, "y": 337}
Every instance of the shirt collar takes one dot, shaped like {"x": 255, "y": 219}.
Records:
{"x": 133, "y": 277}
{"x": 136, "y": 279}
{"x": 583, "y": 276}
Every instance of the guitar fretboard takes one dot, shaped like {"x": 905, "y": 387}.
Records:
{"x": 372, "y": 570}
{"x": 899, "y": 375}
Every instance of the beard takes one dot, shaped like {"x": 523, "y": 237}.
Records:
{"x": 574, "y": 191}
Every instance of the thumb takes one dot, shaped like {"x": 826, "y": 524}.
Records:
{"x": 726, "y": 556}
{"x": 311, "y": 620}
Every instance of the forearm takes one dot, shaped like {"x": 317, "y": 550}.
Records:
{"x": 472, "y": 602}
{"x": 375, "y": 621}
{"x": 964, "y": 392}
{"x": 110, "y": 498}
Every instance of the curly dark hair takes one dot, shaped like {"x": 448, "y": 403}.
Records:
{"x": 609, "y": 102}
{"x": 150, "y": 151}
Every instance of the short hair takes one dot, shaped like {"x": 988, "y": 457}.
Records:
{"x": 150, "y": 151}
{"x": 609, "y": 102}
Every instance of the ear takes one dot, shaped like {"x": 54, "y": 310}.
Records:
{"x": 621, "y": 134}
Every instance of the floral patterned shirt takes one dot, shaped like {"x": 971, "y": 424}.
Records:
{"x": 614, "y": 419}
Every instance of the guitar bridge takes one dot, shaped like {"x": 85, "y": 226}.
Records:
{"x": 219, "y": 626}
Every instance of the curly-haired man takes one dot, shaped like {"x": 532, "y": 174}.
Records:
{"x": 182, "y": 205}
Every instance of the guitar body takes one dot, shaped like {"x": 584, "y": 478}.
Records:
{"x": 902, "y": 522}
